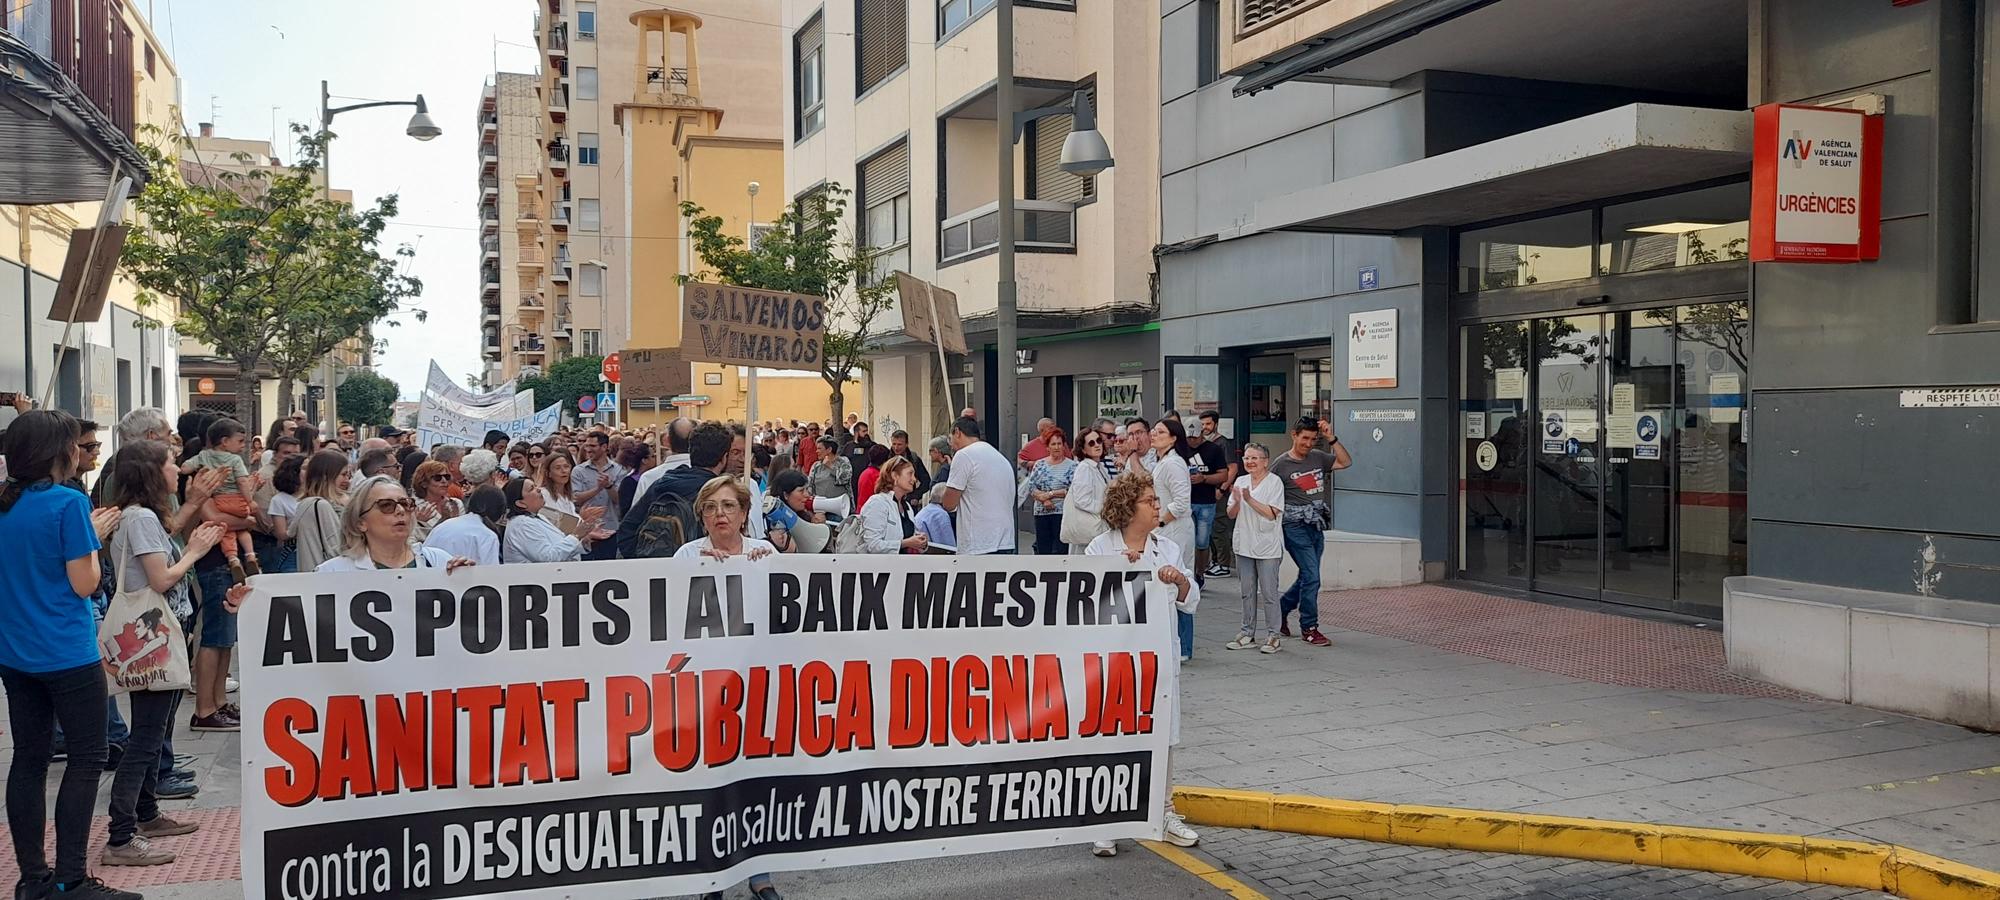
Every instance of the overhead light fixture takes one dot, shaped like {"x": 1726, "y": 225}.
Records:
{"x": 1674, "y": 227}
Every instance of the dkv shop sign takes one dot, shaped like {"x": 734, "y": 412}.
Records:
{"x": 1815, "y": 185}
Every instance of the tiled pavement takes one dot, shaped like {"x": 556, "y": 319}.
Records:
{"x": 1580, "y": 733}
{"x": 1518, "y": 706}
{"x": 1299, "y": 867}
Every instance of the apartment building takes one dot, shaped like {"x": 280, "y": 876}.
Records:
{"x": 78, "y": 80}
{"x": 895, "y": 100}
{"x": 514, "y": 299}
{"x": 1485, "y": 238}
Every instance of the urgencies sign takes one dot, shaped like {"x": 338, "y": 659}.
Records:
{"x": 1816, "y": 185}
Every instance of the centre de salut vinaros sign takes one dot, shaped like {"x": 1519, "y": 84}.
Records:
{"x": 730, "y": 324}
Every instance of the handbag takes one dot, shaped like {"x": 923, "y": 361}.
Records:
{"x": 1080, "y": 527}
{"x": 142, "y": 642}
{"x": 850, "y": 538}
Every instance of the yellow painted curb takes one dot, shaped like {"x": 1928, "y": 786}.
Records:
{"x": 1202, "y": 870}
{"x": 1868, "y": 866}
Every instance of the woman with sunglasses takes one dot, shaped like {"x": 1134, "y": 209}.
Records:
{"x": 1083, "y": 508}
{"x": 529, "y": 538}
{"x": 435, "y": 505}
{"x": 538, "y": 455}
{"x": 376, "y": 526}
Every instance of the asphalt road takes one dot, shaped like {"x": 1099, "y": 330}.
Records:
{"x": 1062, "y": 873}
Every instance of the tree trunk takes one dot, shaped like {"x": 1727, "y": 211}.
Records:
{"x": 246, "y": 395}
{"x": 284, "y": 395}
{"x": 836, "y": 400}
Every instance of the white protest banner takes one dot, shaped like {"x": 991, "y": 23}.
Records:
{"x": 639, "y": 728}
{"x": 440, "y": 384}
{"x": 437, "y": 424}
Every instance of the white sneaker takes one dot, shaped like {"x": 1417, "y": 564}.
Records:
{"x": 1270, "y": 646}
{"x": 1103, "y": 848}
{"x": 231, "y": 686}
{"x": 1178, "y": 833}
{"x": 1242, "y": 642}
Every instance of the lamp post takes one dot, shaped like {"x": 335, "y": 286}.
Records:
{"x": 604, "y": 329}
{"x": 1084, "y": 152}
{"x": 420, "y": 127}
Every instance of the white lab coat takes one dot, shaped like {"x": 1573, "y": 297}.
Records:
{"x": 530, "y": 539}
{"x": 1172, "y": 485}
{"x": 1158, "y": 554}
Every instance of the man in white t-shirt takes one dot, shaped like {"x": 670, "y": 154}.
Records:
{"x": 980, "y": 491}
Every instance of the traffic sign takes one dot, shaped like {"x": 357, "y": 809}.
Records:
{"x": 586, "y": 403}
{"x": 205, "y": 386}
{"x": 607, "y": 401}
{"x": 610, "y": 369}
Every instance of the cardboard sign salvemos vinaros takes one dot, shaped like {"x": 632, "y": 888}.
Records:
{"x": 726, "y": 323}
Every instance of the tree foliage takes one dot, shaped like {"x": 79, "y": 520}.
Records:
{"x": 262, "y": 266}
{"x": 567, "y": 380}
{"x": 366, "y": 398}
{"x": 807, "y": 250}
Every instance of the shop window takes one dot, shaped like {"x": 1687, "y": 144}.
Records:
{"x": 1686, "y": 229}
{"x": 1517, "y": 254}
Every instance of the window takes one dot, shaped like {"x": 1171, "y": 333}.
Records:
{"x": 590, "y": 281}
{"x": 1537, "y": 251}
{"x": 586, "y": 83}
{"x": 885, "y": 203}
{"x": 953, "y": 13}
{"x": 589, "y": 341}
{"x": 1687, "y": 229}
{"x": 150, "y": 62}
{"x": 758, "y": 231}
{"x": 586, "y": 21}
{"x": 586, "y": 148}
{"x": 589, "y": 216}
{"x": 1045, "y": 178}
{"x": 1207, "y": 25}
{"x": 882, "y": 41}
{"x": 809, "y": 78}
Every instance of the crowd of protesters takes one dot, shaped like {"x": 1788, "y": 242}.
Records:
{"x": 195, "y": 509}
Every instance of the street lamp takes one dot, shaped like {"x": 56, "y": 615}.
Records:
{"x": 1084, "y": 152}
{"x": 420, "y": 127}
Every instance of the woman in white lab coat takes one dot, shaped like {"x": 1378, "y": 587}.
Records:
{"x": 529, "y": 537}
{"x": 1171, "y": 479}
{"x": 1130, "y": 510}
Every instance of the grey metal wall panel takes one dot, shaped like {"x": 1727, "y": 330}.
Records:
{"x": 1180, "y": 127}
{"x": 1276, "y": 323}
{"x": 1408, "y": 304}
{"x": 1908, "y": 143}
{"x": 1392, "y": 465}
{"x": 1247, "y": 273}
{"x": 1814, "y": 48}
{"x": 1178, "y": 48}
{"x": 1387, "y": 135}
{"x": 1395, "y": 515}
{"x": 1397, "y": 261}
{"x": 1855, "y": 457}
{"x": 1229, "y": 124}
{"x": 1961, "y": 568}
{"x": 1220, "y": 206}
{"x": 1179, "y": 206}
{"x": 1349, "y": 99}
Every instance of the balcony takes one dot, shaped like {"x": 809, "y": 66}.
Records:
{"x": 558, "y": 42}
{"x": 489, "y": 221}
{"x": 489, "y": 249}
{"x": 489, "y": 157}
{"x": 489, "y": 281}
{"x": 668, "y": 86}
{"x": 532, "y": 257}
{"x": 489, "y": 127}
{"x": 68, "y": 67}
{"x": 560, "y": 219}
{"x": 1038, "y": 225}
{"x": 558, "y": 157}
{"x": 560, "y": 273}
{"x": 532, "y": 344}
{"x": 489, "y": 188}
{"x": 559, "y": 104}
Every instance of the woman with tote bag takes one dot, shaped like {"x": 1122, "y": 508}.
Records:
{"x": 320, "y": 503}
{"x": 1083, "y": 508}
{"x": 151, "y": 572}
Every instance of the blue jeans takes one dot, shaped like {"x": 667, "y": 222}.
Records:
{"x": 1303, "y": 543}
{"x": 1186, "y": 635}
{"x": 1204, "y": 525}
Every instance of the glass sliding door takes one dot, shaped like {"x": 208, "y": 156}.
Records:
{"x": 1497, "y": 439}
{"x": 1567, "y": 472}
{"x": 1712, "y": 442}
{"x": 1639, "y": 491}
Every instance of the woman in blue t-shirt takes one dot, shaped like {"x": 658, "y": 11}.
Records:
{"x": 49, "y": 661}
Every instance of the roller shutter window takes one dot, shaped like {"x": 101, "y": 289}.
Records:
{"x": 885, "y": 197}
{"x": 882, "y": 32}
{"x": 809, "y": 77}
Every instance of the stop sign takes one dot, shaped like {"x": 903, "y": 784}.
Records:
{"x": 611, "y": 368}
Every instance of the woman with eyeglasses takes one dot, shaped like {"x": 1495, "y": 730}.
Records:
{"x": 724, "y": 507}
{"x": 529, "y": 538}
{"x": 376, "y": 526}
{"x": 435, "y": 505}
{"x": 1083, "y": 507}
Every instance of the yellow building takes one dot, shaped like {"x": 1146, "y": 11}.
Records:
{"x": 120, "y": 84}
{"x": 679, "y": 149}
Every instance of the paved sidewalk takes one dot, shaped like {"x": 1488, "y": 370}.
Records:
{"x": 1301, "y": 867}
{"x": 1597, "y": 715}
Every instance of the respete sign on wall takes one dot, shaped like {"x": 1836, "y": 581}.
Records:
{"x": 726, "y": 323}
{"x": 639, "y": 728}
{"x": 1815, "y": 185}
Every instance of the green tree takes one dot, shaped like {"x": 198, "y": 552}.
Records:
{"x": 260, "y": 262}
{"x": 566, "y": 381}
{"x": 366, "y": 398}
{"x": 807, "y": 251}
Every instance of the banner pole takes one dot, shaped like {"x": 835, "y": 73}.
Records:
{"x": 750, "y": 429}
{"x": 944, "y": 370}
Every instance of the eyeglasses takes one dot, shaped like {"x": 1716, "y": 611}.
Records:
{"x": 91, "y": 446}
{"x": 440, "y": 478}
{"x": 722, "y": 506}
{"x": 536, "y": 455}
{"x": 389, "y": 505}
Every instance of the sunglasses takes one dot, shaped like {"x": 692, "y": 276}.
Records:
{"x": 389, "y": 505}
{"x": 440, "y": 478}
{"x": 91, "y": 446}
{"x": 536, "y": 455}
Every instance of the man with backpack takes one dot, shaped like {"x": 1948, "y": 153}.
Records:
{"x": 664, "y": 518}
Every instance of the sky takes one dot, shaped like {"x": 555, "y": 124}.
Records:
{"x": 254, "y": 66}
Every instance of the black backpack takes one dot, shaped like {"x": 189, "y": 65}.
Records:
{"x": 670, "y": 522}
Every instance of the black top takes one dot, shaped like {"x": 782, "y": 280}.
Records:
{"x": 1208, "y": 458}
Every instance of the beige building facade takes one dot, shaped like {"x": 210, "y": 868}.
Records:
{"x": 513, "y": 301}
{"x": 895, "y": 102}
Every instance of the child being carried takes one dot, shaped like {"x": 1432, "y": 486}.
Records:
{"x": 231, "y": 501}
